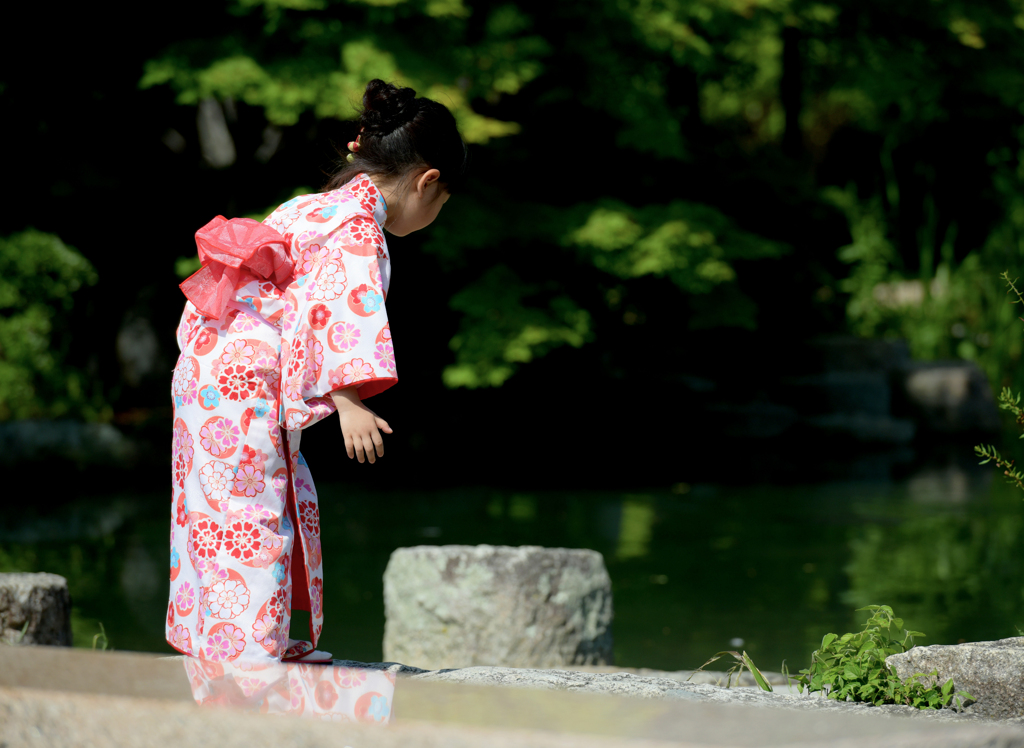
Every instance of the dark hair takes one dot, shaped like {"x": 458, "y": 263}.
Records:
{"x": 401, "y": 131}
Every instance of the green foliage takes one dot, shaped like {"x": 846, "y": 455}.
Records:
{"x": 852, "y": 667}
{"x": 1009, "y": 402}
{"x": 742, "y": 660}
{"x": 39, "y": 276}
{"x": 308, "y": 59}
{"x": 501, "y": 330}
{"x": 100, "y": 641}
{"x": 695, "y": 89}
{"x": 692, "y": 245}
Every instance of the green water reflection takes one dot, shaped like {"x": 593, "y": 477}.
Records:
{"x": 692, "y": 568}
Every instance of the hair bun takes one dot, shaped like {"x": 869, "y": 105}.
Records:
{"x": 386, "y": 107}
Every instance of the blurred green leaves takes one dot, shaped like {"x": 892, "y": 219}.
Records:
{"x": 506, "y": 323}
{"x": 39, "y": 276}
{"x": 689, "y": 243}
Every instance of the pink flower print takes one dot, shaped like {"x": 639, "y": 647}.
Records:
{"x": 385, "y": 355}
{"x": 257, "y": 513}
{"x": 349, "y": 677}
{"x": 185, "y": 384}
{"x": 185, "y": 598}
{"x": 311, "y": 257}
{"x": 227, "y": 599}
{"x": 356, "y": 370}
{"x": 343, "y": 336}
{"x": 294, "y": 420}
{"x": 242, "y": 322}
{"x": 181, "y": 639}
{"x": 314, "y": 351}
{"x": 249, "y": 480}
{"x": 374, "y": 274}
{"x": 238, "y": 352}
{"x": 280, "y": 483}
{"x": 293, "y": 386}
{"x": 182, "y": 452}
{"x": 219, "y": 435}
{"x": 250, "y": 686}
{"x": 265, "y": 628}
{"x": 215, "y": 480}
{"x": 225, "y": 642}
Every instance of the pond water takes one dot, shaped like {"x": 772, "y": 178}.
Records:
{"x": 695, "y": 569}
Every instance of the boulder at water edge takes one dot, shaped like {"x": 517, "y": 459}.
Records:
{"x": 35, "y": 609}
{"x": 991, "y": 672}
{"x": 459, "y": 606}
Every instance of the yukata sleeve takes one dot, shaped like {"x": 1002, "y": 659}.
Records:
{"x": 342, "y": 337}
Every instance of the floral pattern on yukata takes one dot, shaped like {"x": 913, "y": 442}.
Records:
{"x": 245, "y": 526}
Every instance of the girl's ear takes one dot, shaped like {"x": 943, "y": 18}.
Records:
{"x": 427, "y": 178}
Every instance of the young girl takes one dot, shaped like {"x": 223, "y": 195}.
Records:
{"x": 285, "y": 324}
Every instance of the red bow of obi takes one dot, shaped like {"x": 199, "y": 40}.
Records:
{"x": 233, "y": 253}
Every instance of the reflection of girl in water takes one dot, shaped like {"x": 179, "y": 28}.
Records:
{"x": 286, "y": 324}
{"x": 337, "y": 694}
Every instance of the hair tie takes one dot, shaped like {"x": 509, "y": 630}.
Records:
{"x": 354, "y": 147}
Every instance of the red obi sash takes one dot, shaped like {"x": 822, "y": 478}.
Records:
{"x": 233, "y": 253}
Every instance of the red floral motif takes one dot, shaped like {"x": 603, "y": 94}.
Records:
{"x": 182, "y": 452}
{"x": 360, "y": 236}
{"x": 180, "y": 511}
{"x": 319, "y": 316}
{"x": 310, "y": 516}
{"x": 254, "y": 457}
{"x": 237, "y": 382}
{"x": 205, "y": 341}
{"x": 170, "y": 613}
{"x": 206, "y": 536}
{"x": 242, "y": 540}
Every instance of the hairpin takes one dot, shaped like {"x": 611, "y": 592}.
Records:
{"x": 354, "y": 147}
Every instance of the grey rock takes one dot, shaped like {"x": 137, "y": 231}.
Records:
{"x": 992, "y": 672}
{"x": 35, "y": 609}
{"x": 648, "y": 687}
{"x": 459, "y": 606}
{"x": 950, "y": 397}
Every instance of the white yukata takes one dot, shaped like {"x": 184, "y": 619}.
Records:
{"x": 281, "y": 314}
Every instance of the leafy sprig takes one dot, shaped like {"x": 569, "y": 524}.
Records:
{"x": 852, "y": 667}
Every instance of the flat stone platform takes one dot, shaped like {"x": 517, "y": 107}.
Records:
{"x": 65, "y": 697}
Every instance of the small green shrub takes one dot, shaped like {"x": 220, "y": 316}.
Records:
{"x": 852, "y": 667}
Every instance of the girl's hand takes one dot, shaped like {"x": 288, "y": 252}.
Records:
{"x": 360, "y": 426}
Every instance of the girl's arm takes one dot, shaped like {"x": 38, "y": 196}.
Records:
{"x": 359, "y": 426}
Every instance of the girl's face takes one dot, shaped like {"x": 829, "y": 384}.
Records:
{"x": 419, "y": 205}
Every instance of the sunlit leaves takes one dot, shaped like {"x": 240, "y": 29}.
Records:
{"x": 321, "y": 62}
{"x": 689, "y": 243}
{"x": 507, "y": 322}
